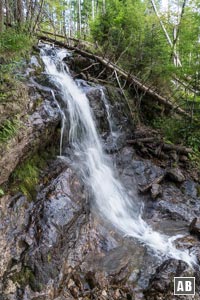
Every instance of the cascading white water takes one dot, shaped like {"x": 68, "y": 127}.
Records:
{"x": 109, "y": 194}
{"x": 107, "y": 107}
{"x": 114, "y": 134}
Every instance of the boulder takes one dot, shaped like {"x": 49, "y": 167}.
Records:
{"x": 194, "y": 227}
{"x": 156, "y": 190}
{"x": 161, "y": 284}
{"x": 176, "y": 175}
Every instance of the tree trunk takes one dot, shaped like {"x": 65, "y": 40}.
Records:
{"x": 175, "y": 55}
{"x": 38, "y": 16}
{"x": 93, "y": 14}
{"x": 8, "y": 16}
{"x": 19, "y": 12}
{"x": 79, "y": 18}
{"x": 177, "y": 29}
{"x": 1, "y": 15}
{"x": 104, "y": 7}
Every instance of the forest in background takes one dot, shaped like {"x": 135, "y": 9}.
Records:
{"x": 158, "y": 45}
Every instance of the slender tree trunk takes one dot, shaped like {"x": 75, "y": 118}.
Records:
{"x": 64, "y": 22}
{"x": 38, "y": 15}
{"x": 1, "y": 15}
{"x": 177, "y": 28}
{"x": 79, "y": 18}
{"x": 104, "y": 7}
{"x": 8, "y": 16}
{"x": 28, "y": 9}
{"x": 19, "y": 13}
{"x": 176, "y": 58}
{"x": 93, "y": 13}
{"x": 70, "y": 19}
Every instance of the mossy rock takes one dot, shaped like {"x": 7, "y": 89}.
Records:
{"x": 14, "y": 100}
{"x": 26, "y": 277}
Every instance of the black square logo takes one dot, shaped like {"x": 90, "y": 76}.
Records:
{"x": 184, "y": 286}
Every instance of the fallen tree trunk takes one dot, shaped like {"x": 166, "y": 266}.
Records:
{"x": 55, "y": 35}
{"x": 179, "y": 149}
{"x": 130, "y": 79}
{"x": 164, "y": 146}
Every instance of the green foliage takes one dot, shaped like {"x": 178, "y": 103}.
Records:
{"x": 9, "y": 129}
{"x": 171, "y": 128}
{"x": 177, "y": 131}
{"x": 134, "y": 38}
{"x": 1, "y": 192}
{"x": 14, "y": 44}
{"x": 26, "y": 177}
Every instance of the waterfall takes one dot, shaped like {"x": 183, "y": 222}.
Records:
{"x": 109, "y": 195}
{"x": 63, "y": 118}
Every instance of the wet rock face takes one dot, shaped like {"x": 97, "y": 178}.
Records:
{"x": 56, "y": 248}
{"x": 161, "y": 284}
{"x": 95, "y": 97}
{"x": 36, "y": 132}
{"x": 38, "y": 116}
{"x": 14, "y": 212}
{"x": 118, "y": 112}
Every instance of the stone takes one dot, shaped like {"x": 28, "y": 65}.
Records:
{"x": 183, "y": 158}
{"x": 194, "y": 227}
{"x": 176, "y": 175}
{"x": 156, "y": 190}
{"x": 161, "y": 283}
{"x": 173, "y": 155}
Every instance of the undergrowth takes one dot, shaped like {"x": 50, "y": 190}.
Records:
{"x": 180, "y": 131}
{"x": 14, "y": 44}
{"x": 15, "y": 47}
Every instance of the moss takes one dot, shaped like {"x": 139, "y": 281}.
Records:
{"x": 26, "y": 277}
{"x": 26, "y": 177}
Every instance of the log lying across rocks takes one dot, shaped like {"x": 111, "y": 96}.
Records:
{"x": 130, "y": 79}
{"x": 167, "y": 147}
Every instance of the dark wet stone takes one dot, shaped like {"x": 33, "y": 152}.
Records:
{"x": 194, "y": 227}
{"x": 95, "y": 98}
{"x": 190, "y": 188}
{"x": 175, "y": 175}
{"x": 161, "y": 284}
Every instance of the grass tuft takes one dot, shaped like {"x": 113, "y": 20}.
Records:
{"x": 8, "y": 129}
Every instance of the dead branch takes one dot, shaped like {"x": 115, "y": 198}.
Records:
{"x": 141, "y": 140}
{"x": 94, "y": 64}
